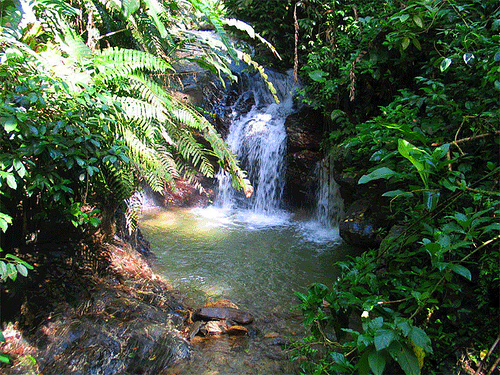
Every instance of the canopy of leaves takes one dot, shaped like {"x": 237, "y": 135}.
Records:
{"x": 411, "y": 91}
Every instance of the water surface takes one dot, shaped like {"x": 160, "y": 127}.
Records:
{"x": 257, "y": 261}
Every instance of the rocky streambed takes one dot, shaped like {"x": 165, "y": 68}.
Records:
{"x": 100, "y": 309}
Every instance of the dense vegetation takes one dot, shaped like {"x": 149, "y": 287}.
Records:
{"x": 411, "y": 91}
{"x": 88, "y": 116}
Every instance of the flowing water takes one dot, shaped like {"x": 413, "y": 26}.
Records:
{"x": 250, "y": 251}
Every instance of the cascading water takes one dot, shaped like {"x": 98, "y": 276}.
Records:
{"x": 258, "y": 138}
{"x": 329, "y": 203}
{"x": 251, "y": 251}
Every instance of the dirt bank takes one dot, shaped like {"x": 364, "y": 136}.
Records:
{"x": 90, "y": 307}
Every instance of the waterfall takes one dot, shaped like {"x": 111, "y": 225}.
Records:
{"x": 329, "y": 203}
{"x": 258, "y": 138}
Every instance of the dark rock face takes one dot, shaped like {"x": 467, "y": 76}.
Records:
{"x": 225, "y": 313}
{"x": 304, "y": 135}
{"x": 362, "y": 223}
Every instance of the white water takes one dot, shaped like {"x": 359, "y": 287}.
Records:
{"x": 251, "y": 251}
{"x": 258, "y": 138}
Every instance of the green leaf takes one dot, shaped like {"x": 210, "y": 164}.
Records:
{"x": 384, "y": 338}
{"x": 405, "y": 42}
{"x": 5, "y": 358}
{"x": 460, "y": 270}
{"x": 12, "y": 271}
{"x": 318, "y": 76}
{"x": 19, "y": 167}
{"x": 11, "y": 181}
{"x": 420, "y": 338}
{"x": 410, "y": 152}
{"x": 9, "y": 124}
{"x": 405, "y": 357}
{"x": 363, "y": 365}
{"x": 377, "y": 362}
{"x": 5, "y": 220}
{"x": 416, "y": 43}
{"x": 22, "y": 269}
{"x": 445, "y": 64}
{"x": 383, "y": 172}
{"x": 418, "y": 21}
{"x": 395, "y": 193}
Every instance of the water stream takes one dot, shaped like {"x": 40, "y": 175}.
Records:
{"x": 250, "y": 251}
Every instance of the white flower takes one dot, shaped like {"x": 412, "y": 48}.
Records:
{"x": 365, "y": 314}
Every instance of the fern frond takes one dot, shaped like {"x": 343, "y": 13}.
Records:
{"x": 216, "y": 22}
{"x": 113, "y": 63}
{"x": 138, "y": 109}
{"x": 120, "y": 182}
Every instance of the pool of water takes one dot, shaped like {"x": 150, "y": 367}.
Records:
{"x": 256, "y": 261}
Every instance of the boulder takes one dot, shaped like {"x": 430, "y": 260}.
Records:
{"x": 362, "y": 223}
{"x": 304, "y": 135}
{"x": 225, "y": 313}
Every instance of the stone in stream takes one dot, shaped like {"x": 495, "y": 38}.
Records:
{"x": 225, "y": 313}
{"x": 221, "y": 303}
{"x": 213, "y": 328}
{"x": 237, "y": 331}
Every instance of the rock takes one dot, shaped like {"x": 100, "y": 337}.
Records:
{"x": 213, "y": 328}
{"x": 362, "y": 223}
{"x": 301, "y": 180}
{"x": 194, "y": 329}
{"x": 221, "y": 303}
{"x": 237, "y": 331}
{"x": 304, "y": 130}
{"x": 271, "y": 335}
{"x": 225, "y": 313}
{"x": 304, "y": 135}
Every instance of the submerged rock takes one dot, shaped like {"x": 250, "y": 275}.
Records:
{"x": 237, "y": 331}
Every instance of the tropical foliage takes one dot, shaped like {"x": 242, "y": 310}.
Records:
{"x": 82, "y": 124}
{"x": 87, "y": 112}
{"x": 411, "y": 95}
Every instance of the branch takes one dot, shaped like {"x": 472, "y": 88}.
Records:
{"x": 479, "y": 369}
{"x": 455, "y": 143}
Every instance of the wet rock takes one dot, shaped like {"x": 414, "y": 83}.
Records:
{"x": 237, "y": 331}
{"x": 213, "y": 328}
{"x": 304, "y": 135}
{"x": 225, "y": 313}
{"x": 362, "y": 223}
{"x": 194, "y": 329}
